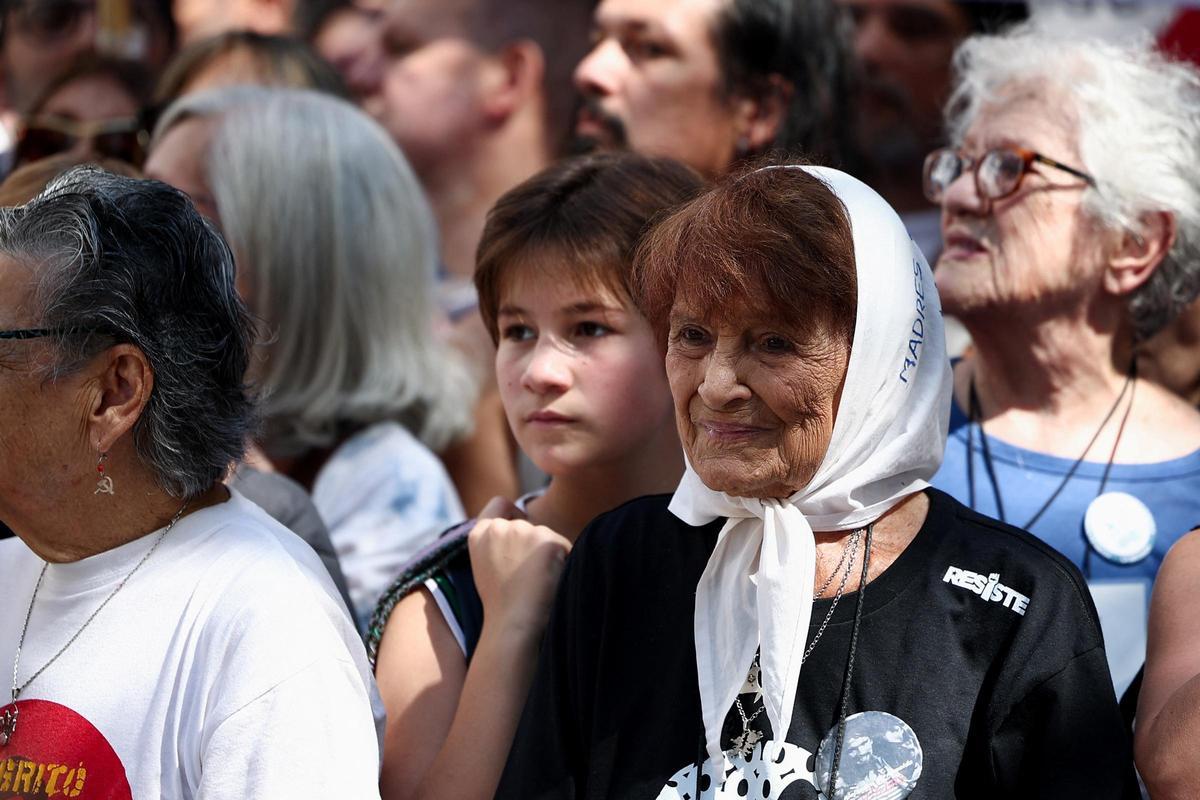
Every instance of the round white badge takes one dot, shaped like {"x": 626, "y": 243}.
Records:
{"x": 1120, "y": 528}
{"x": 881, "y": 757}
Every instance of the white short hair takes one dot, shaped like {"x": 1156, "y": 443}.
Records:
{"x": 323, "y": 210}
{"x": 1138, "y": 117}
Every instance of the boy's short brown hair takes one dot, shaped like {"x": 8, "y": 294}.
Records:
{"x": 586, "y": 214}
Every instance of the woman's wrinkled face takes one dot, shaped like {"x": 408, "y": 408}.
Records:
{"x": 1034, "y": 247}
{"x": 755, "y": 394}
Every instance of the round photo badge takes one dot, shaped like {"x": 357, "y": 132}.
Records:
{"x": 1119, "y": 527}
{"x": 881, "y": 759}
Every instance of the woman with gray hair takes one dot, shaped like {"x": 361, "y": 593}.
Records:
{"x": 1071, "y": 220}
{"x": 147, "y": 660}
{"x": 336, "y": 249}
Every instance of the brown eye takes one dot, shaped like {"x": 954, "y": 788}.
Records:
{"x": 517, "y": 333}
{"x": 591, "y": 329}
{"x": 776, "y": 344}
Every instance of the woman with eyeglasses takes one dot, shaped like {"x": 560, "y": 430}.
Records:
{"x": 1071, "y": 220}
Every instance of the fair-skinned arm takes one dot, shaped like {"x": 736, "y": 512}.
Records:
{"x": 1167, "y": 740}
{"x": 449, "y": 727}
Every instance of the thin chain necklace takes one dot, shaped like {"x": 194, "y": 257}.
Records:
{"x": 8, "y": 719}
{"x": 744, "y": 744}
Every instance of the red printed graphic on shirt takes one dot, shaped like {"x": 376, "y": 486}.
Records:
{"x": 54, "y": 752}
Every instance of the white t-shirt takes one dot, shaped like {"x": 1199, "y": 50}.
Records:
{"x": 225, "y": 668}
{"x": 384, "y": 496}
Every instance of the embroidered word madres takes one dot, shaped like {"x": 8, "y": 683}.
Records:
{"x": 917, "y": 332}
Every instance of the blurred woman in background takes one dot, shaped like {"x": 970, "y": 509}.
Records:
{"x": 93, "y": 110}
{"x": 335, "y": 248}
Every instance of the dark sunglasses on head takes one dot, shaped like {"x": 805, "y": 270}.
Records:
{"x": 123, "y": 139}
{"x": 998, "y": 172}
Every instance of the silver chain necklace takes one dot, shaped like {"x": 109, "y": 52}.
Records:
{"x": 745, "y": 743}
{"x": 8, "y": 719}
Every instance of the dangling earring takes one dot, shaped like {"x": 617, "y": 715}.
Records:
{"x": 105, "y": 484}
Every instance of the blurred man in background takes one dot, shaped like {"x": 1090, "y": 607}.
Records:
{"x": 903, "y": 50}
{"x": 478, "y": 95}
{"x": 40, "y": 39}
{"x": 713, "y": 82}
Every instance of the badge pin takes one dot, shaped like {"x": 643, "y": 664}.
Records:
{"x": 881, "y": 757}
{"x": 1120, "y": 527}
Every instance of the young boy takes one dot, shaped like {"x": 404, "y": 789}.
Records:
{"x": 582, "y": 380}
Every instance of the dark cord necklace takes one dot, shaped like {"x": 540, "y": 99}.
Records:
{"x": 976, "y": 419}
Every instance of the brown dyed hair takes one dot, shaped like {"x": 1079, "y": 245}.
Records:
{"x": 581, "y": 217}
{"x": 777, "y": 237}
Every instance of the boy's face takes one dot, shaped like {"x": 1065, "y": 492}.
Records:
{"x": 581, "y": 375}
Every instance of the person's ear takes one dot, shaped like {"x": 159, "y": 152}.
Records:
{"x": 119, "y": 391}
{"x": 760, "y": 117}
{"x": 512, "y": 78}
{"x": 1138, "y": 253}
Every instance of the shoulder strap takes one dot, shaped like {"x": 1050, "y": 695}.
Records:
{"x": 427, "y": 562}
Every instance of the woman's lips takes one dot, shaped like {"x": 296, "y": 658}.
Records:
{"x": 729, "y": 432}
{"x": 545, "y": 417}
{"x": 959, "y": 245}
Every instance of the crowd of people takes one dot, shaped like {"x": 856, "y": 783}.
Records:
{"x": 676, "y": 399}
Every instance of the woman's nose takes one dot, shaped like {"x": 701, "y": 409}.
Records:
{"x": 721, "y": 385}
{"x": 548, "y": 370}
{"x": 962, "y": 196}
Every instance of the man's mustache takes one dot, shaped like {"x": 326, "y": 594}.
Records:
{"x": 615, "y": 134}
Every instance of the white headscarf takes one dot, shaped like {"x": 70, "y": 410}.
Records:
{"x": 888, "y": 438}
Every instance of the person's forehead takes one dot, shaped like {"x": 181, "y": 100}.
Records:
{"x": 685, "y": 19}
{"x": 183, "y": 146}
{"x": 542, "y": 284}
{"x": 1025, "y": 115}
{"x": 89, "y": 97}
{"x": 433, "y": 19}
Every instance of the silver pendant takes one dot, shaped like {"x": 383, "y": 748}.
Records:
{"x": 1120, "y": 527}
{"x": 744, "y": 745}
{"x": 881, "y": 757}
{"x": 104, "y": 485}
{"x": 8, "y": 724}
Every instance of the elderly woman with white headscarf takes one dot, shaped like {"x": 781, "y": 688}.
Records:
{"x": 804, "y": 592}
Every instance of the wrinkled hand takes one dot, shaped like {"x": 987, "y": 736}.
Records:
{"x": 516, "y": 566}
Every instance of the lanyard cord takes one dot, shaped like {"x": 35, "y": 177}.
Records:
{"x": 1087, "y": 549}
{"x": 977, "y": 420}
{"x": 845, "y": 701}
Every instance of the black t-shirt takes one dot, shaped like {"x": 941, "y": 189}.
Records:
{"x": 979, "y": 637}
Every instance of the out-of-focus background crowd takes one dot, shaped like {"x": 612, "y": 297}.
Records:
{"x": 382, "y": 420}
